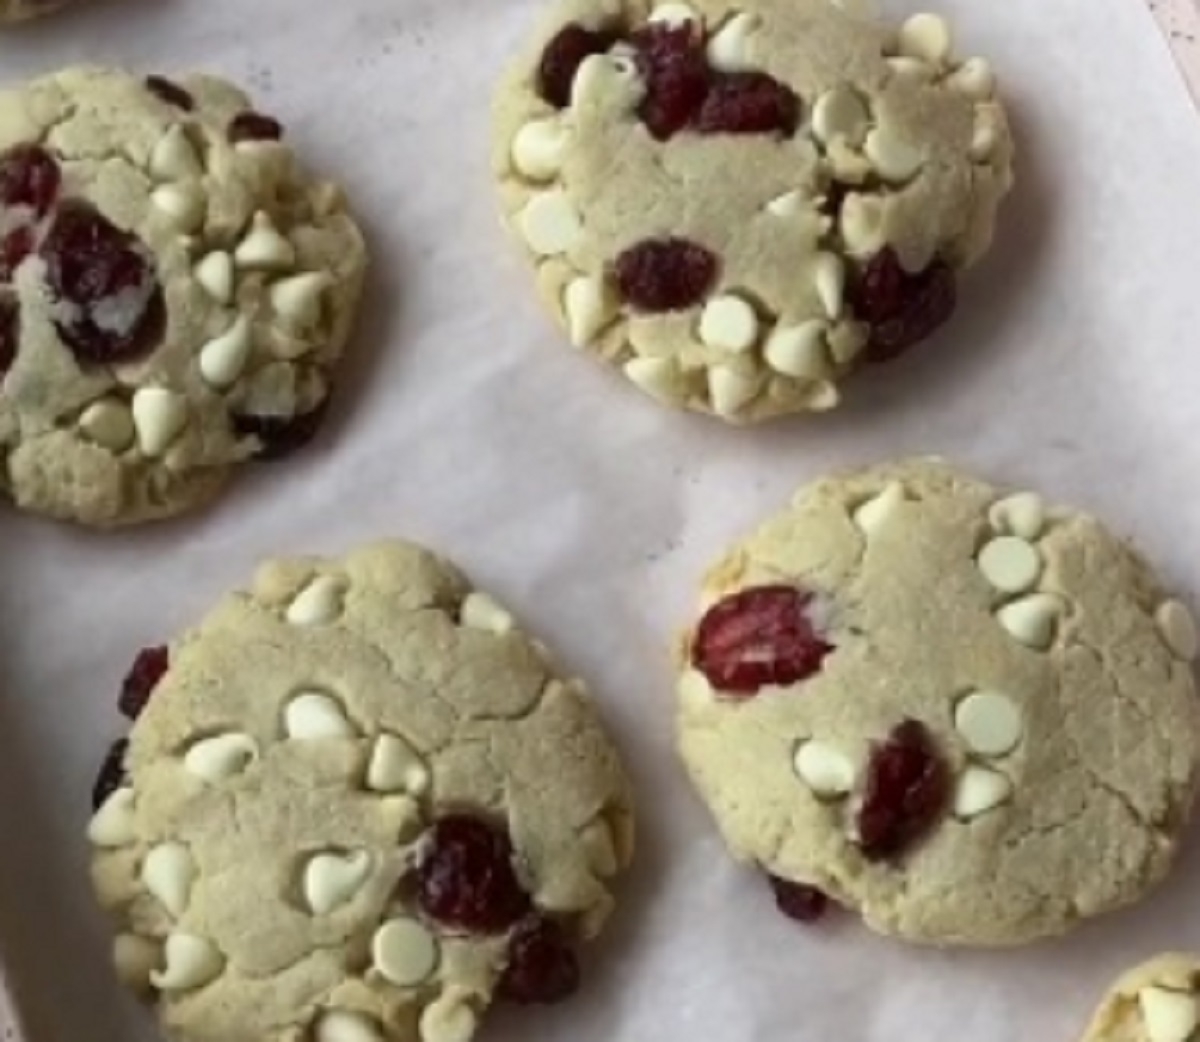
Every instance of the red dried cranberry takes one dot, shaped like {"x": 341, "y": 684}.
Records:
{"x": 280, "y": 436}
{"x": 901, "y": 308}
{"x": 111, "y": 775}
{"x": 173, "y": 94}
{"x": 665, "y": 274}
{"x": 110, "y": 305}
{"x": 542, "y": 967}
{"x": 569, "y": 48}
{"x": 466, "y": 878}
{"x": 254, "y": 126}
{"x": 758, "y": 637}
{"x": 805, "y": 904}
{"x": 14, "y": 248}
{"x": 141, "y": 680}
{"x": 748, "y": 103}
{"x": 10, "y": 333}
{"x": 29, "y": 176}
{"x": 674, "y": 66}
{"x": 906, "y": 791}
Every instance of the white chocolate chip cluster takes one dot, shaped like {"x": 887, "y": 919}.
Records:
{"x": 259, "y": 268}
{"x": 899, "y": 146}
{"x": 281, "y": 787}
{"x": 1158, "y": 1001}
{"x": 1067, "y": 739}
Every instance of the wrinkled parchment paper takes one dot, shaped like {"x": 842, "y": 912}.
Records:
{"x": 464, "y": 422}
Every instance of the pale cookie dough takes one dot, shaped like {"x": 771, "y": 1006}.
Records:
{"x": 965, "y": 713}
{"x": 738, "y": 202}
{"x": 358, "y": 804}
{"x": 175, "y": 292}
{"x": 1158, "y": 1001}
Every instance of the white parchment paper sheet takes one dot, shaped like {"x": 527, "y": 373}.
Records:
{"x": 464, "y": 422}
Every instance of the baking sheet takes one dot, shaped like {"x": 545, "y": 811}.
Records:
{"x": 464, "y": 423}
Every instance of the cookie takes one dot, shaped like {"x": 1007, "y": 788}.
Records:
{"x": 1158, "y": 1001}
{"x": 175, "y": 292}
{"x": 739, "y": 205}
{"x": 357, "y": 803}
{"x": 967, "y": 714}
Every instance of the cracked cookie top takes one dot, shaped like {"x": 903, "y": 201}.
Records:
{"x": 175, "y": 291}
{"x": 357, "y": 804}
{"x": 739, "y": 202}
{"x": 967, "y": 714}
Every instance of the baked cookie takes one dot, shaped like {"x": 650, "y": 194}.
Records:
{"x": 737, "y": 204}
{"x": 966, "y": 714}
{"x": 1158, "y": 1001}
{"x": 359, "y": 805}
{"x": 174, "y": 292}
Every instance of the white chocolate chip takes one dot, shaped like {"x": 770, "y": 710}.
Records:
{"x": 223, "y": 359}
{"x": 108, "y": 423}
{"x": 331, "y": 880}
{"x": 589, "y": 305}
{"x": 989, "y": 722}
{"x": 606, "y": 78}
{"x": 1022, "y": 514}
{"x": 847, "y": 164}
{"x": 798, "y": 351}
{"x": 215, "y": 273}
{"x": 190, "y": 962}
{"x": 893, "y": 157}
{"x": 600, "y": 848}
{"x": 822, "y": 396}
{"x": 319, "y": 603}
{"x": 673, "y": 15}
{"x": 728, "y": 323}
{"x": 448, "y": 1019}
{"x": 1010, "y": 564}
{"x": 539, "y": 148}
{"x": 404, "y": 952}
{"x": 986, "y": 136}
{"x": 840, "y": 113}
{"x": 974, "y": 78}
{"x": 168, "y": 872}
{"x": 395, "y": 766}
{"x": 113, "y": 823}
{"x": 481, "y": 611}
{"x": 658, "y": 377}
{"x": 876, "y": 512}
{"x": 159, "y": 416}
{"x": 182, "y": 204}
{"x": 264, "y": 249}
{"x": 787, "y": 205}
{"x": 1032, "y": 620}
{"x": 730, "y": 389}
{"x": 912, "y": 69}
{"x": 135, "y": 958}
{"x": 979, "y": 790}
{"x": 297, "y": 300}
{"x": 862, "y": 224}
{"x": 926, "y": 36}
{"x": 729, "y": 48}
{"x": 549, "y": 223}
{"x": 341, "y": 1025}
{"x": 846, "y": 341}
{"x": 827, "y": 771}
{"x": 311, "y": 715}
{"x": 174, "y": 157}
{"x": 1178, "y": 628}
{"x": 1168, "y": 1015}
{"x": 221, "y": 756}
{"x": 829, "y": 275}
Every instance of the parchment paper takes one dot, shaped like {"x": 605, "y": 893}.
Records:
{"x": 464, "y": 422}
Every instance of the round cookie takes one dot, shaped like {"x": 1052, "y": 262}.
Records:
{"x": 1158, "y": 1001}
{"x": 739, "y": 204}
{"x": 968, "y": 715}
{"x": 175, "y": 292}
{"x": 357, "y": 804}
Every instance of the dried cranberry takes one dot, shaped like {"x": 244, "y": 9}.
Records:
{"x": 280, "y": 436}
{"x": 542, "y": 967}
{"x": 901, "y": 308}
{"x": 674, "y": 66}
{"x": 805, "y": 904}
{"x": 758, "y": 637}
{"x": 111, "y": 775}
{"x": 906, "y": 791}
{"x": 665, "y": 274}
{"x": 466, "y": 878}
{"x": 141, "y": 680}
{"x": 570, "y": 47}
{"x": 29, "y": 176}
{"x": 173, "y": 94}
{"x": 254, "y": 126}
{"x": 748, "y": 103}
{"x": 110, "y": 304}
